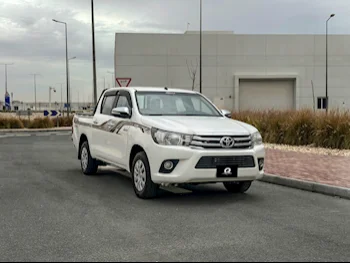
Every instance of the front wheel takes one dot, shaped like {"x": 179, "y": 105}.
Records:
{"x": 88, "y": 165}
{"x": 237, "y": 187}
{"x": 141, "y": 177}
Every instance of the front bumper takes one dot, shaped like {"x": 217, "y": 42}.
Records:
{"x": 186, "y": 171}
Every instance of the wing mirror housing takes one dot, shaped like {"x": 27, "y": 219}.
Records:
{"x": 121, "y": 112}
{"x": 226, "y": 113}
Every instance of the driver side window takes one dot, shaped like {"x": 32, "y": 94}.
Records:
{"x": 107, "y": 105}
{"x": 123, "y": 102}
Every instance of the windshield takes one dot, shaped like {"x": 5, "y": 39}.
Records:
{"x": 178, "y": 104}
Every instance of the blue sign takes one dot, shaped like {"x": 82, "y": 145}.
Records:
{"x": 7, "y": 101}
{"x": 52, "y": 113}
{"x": 65, "y": 105}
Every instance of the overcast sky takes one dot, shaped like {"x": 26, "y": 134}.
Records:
{"x": 35, "y": 44}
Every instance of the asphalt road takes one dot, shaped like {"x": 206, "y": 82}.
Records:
{"x": 49, "y": 211}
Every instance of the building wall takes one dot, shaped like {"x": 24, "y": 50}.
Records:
{"x": 160, "y": 60}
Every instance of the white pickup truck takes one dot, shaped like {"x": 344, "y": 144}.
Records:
{"x": 166, "y": 137}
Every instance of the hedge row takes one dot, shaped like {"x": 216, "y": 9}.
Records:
{"x": 36, "y": 123}
{"x": 304, "y": 127}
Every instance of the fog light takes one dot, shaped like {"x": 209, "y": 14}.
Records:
{"x": 168, "y": 165}
{"x": 261, "y": 163}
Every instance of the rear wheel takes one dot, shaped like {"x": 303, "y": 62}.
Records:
{"x": 141, "y": 177}
{"x": 237, "y": 187}
{"x": 88, "y": 165}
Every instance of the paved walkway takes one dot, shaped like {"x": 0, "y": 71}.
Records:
{"x": 325, "y": 169}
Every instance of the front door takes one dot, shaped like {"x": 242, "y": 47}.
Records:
{"x": 116, "y": 141}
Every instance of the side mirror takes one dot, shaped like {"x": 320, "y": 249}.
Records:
{"x": 226, "y": 113}
{"x": 122, "y": 112}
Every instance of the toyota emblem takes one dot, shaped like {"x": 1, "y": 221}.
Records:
{"x": 227, "y": 142}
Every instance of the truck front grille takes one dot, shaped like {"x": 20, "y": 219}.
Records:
{"x": 208, "y": 162}
{"x": 213, "y": 142}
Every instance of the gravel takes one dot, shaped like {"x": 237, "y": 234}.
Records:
{"x": 308, "y": 149}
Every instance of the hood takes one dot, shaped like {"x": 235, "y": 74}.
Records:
{"x": 199, "y": 125}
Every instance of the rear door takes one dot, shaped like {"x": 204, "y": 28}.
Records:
{"x": 102, "y": 123}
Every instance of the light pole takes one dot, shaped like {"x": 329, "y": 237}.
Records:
{"x": 6, "y": 64}
{"x": 61, "y": 96}
{"x": 327, "y": 61}
{"x": 93, "y": 51}
{"x": 113, "y": 81}
{"x": 35, "y": 74}
{"x": 54, "y": 90}
{"x": 70, "y": 93}
{"x": 104, "y": 83}
{"x": 67, "y": 80}
{"x": 200, "y": 48}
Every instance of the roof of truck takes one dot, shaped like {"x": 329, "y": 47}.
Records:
{"x": 154, "y": 89}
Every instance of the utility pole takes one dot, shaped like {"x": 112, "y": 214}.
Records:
{"x": 93, "y": 51}
{"x": 327, "y": 61}
{"x": 35, "y": 74}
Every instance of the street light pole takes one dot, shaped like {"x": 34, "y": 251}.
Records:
{"x": 113, "y": 82}
{"x": 67, "y": 77}
{"x": 61, "y": 97}
{"x": 35, "y": 74}
{"x": 200, "y": 49}
{"x": 327, "y": 61}
{"x": 70, "y": 92}
{"x": 54, "y": 90}
{"x": 93, "y": 51}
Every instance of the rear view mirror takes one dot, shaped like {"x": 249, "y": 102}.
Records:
{"x": 226, "y": 113}
{"x": 122, "y": 112}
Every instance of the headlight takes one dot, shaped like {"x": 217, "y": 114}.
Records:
{"x": 256, "y": 138}
{"x": 170, "y": 138}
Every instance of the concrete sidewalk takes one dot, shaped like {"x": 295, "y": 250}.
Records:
{"x": 326, "y": 174}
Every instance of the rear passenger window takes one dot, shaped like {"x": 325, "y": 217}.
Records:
{"x": 108, "y": 105}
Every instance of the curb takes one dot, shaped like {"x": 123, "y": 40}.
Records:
{"x": 2, "y": 131}
{"x": 307, "y": 186}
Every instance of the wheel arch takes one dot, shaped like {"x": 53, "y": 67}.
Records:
{"x": 83, "y": 138}
{"x": 136, "y": 148}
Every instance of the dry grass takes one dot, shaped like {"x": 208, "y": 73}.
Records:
{"x": 34, "y": 123}
{"x": 301, "y": 128}
{"x": 295, "y": 128}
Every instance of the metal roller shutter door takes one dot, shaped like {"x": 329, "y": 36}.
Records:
{"x": 266, "y": 94}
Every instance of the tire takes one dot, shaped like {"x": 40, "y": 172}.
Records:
{"x": 140, "y": 170}
{"x": 237, "y": 187}
{"x": 88, "y": 165}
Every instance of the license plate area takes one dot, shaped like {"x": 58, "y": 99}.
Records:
{"x": 226, "y": 171}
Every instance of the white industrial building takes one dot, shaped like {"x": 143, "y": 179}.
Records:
{"x": 241, "y": 72}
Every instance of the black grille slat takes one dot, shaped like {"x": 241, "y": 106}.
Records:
{"x": 208, "y": 162}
